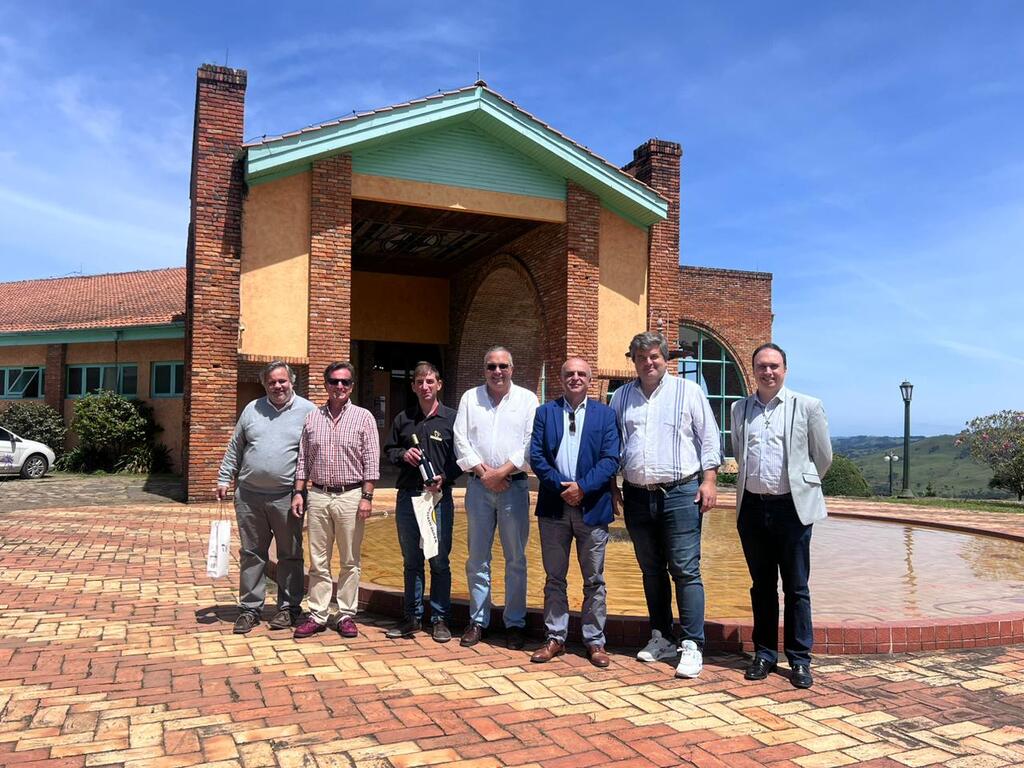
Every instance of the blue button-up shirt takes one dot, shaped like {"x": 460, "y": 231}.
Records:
{"x": 569, "y": 449}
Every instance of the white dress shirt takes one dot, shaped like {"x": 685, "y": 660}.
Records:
{"x": 569, "y": 449}
{"x": 668, "y": 436}
{"x": 493, "y": 434}
{"x": 766, "y": 454}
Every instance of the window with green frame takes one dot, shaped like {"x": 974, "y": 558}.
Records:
{"x": 168, "y": 379}
{"x": 706, "y": 362}
{"x": 122, "y": 378}
{"x": 22, "y": 382}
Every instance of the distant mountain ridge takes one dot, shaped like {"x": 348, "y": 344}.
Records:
{"x": 936, "y": 460}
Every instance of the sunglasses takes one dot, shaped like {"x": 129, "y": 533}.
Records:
{"x": 496, "y": 366}
{"x": 572, "y": 422}
{"x": 340, "y": 382}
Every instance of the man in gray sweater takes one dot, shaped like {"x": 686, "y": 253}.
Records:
{"x": 261, "y": 460}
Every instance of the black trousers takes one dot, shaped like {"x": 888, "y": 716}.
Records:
{"x": 775, "y": 543}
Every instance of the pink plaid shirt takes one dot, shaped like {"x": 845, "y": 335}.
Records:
{"x": 335, "y": 453}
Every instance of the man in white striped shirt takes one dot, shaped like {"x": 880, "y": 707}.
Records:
{"x": 671, "y": 451}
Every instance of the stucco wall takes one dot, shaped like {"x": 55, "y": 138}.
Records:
{"x": 622, "y": 293}
{"x": 275, "y": 268}
{"x": 399, "y": 308}
{"x": 167, "y": 411}
{"x": 424, "y": 195}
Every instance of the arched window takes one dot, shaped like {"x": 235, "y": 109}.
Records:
{"x": 706, "y": 362}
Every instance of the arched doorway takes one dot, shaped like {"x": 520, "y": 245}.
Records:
{"x": 505, "y": 310}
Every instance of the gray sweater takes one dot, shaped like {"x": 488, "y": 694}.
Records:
{"x": 265, "y": 446}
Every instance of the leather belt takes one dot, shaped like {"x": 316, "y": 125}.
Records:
{"x": 651, "y": 488}
{"x": 516, "y": 476}
{"x": 337, "y": 488}
{"x": 769, "y": 496}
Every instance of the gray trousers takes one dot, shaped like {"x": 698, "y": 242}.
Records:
{"x": 262, "y": 517}
{"x": 556, "y": 538}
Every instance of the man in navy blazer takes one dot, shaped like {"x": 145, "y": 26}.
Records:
{"x": 574, "y": 451}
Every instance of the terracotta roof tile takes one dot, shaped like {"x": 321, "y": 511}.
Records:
{"x": 119, "y": 300}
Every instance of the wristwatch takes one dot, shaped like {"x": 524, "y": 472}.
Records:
{"x": 368, "y": 495}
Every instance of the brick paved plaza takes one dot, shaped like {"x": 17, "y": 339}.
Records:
{"x": 115, "y": 649}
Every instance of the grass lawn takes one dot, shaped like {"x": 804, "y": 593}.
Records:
{"x": 975, "y": 504}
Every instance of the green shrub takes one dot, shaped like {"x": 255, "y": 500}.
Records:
{"x": 844, "y": 478}
{"x": 727, "y": 478}
{"x": 115, "y": 435}
{"x": 36, "y": 421}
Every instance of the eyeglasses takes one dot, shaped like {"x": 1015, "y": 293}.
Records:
{"x": 496, "y": 366}
{"x": 572, "y": 422}
{"x": 340, "y": 382}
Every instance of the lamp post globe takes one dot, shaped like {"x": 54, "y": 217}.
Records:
{"x": 907, "y": 391}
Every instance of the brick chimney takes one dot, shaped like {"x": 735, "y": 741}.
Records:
{"x": 657, "y": 164}
{"x": 214, "y": 250}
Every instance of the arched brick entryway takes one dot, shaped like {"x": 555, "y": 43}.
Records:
{"x": 505, "y": 310}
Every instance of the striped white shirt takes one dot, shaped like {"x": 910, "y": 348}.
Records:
{"x": 668, "y": 436}
{"x": 765, "y": 462}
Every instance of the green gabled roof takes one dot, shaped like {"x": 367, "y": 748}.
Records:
{"x": 507, "y": 150}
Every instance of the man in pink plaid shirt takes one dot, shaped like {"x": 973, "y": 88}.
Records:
{"x": 338, "y": 466}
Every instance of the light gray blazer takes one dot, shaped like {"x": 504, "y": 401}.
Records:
{"x": 807, "y": 447}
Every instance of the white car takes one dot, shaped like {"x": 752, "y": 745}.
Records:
{"x": 27, "y": 457}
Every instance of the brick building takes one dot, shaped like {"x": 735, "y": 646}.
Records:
{"x": 432, "y": 230}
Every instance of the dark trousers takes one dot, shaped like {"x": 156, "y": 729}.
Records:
{"x": 262, "y": 517}
{"x": 665, "y": 529}
{"x": 776, "y": 543}
{"x": 412, "y": 556}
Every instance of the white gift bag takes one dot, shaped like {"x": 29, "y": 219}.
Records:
{"x": 217, "y": 551}
{"x": 426, "y": 519}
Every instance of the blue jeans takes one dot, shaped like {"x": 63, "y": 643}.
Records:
{"x": 775, "y": 543}
{"x": 665, "y": 529}
{"x": 509, "y": 511}
{"x": 412, "y": 556}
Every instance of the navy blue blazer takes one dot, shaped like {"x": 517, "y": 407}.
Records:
{"x": 596, "y": 466}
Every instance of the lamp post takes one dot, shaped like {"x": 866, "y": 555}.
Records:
{"x": 891, "y": 458}
{"x": 907, "y": 390}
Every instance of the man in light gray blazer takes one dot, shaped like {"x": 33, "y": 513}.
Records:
{"x": 780, "y": 440}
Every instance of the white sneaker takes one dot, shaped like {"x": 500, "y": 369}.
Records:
{"x": 658, "y": 648}
{"x": 691, "y": 662}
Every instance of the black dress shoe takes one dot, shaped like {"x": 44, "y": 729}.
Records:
{"x": 515, "y": 638}
{"x": 473, "y": 634}
{"x": 407, "y": 628}
{"x": 759, "y": 669}
{"x": 800, "y": 676}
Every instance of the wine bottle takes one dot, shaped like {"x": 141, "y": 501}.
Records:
{"x": 426, "y": 466}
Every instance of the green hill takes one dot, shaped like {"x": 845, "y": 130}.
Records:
{"x": 950, "y": 469}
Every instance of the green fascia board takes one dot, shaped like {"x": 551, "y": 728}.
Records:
{"x": 546, "y": 147}
{"x": 87, "y": 335}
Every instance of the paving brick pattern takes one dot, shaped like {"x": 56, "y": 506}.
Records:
{"x": 115, "y": 649}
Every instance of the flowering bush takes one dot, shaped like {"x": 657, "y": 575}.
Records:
{"x": 998, "y": 440}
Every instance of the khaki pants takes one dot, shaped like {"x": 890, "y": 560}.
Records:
{"x": 331, "y": 519}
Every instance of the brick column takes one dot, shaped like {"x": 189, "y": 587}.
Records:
{"x": 214, "y": 250}
{"x": 657, "y": 164}
{"x": 330, "y": 267}
{"x": 583, "y": 225}
{"x": 56, "y": 381}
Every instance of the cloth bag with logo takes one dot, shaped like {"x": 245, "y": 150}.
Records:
{"x": 217, "y": 549}
{"x": 426, "y": 519}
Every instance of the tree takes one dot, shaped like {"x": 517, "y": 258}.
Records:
{"x": 36, "y": 421}
{"x": 844, "y": 478}
{"x": 998, "y": 440}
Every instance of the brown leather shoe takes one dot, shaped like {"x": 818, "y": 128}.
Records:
{"x": 473, "y": 634}
{"x": 598, "y": 656}
{"x": 548, "y": 651}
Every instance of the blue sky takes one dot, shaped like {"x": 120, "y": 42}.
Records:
{"x": 869, "y": 154}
